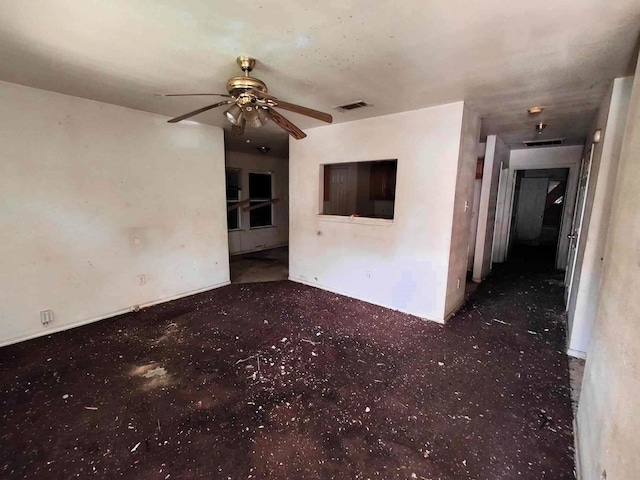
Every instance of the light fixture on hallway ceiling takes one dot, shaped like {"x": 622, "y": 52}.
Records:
{"x": 540, "y": 127}
{"x": 251, "y": 105}
{"x": 263, "y": 150}
{"x": 534, "y": 110}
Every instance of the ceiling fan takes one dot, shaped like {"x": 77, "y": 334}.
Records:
{"x": 250, "y": 104}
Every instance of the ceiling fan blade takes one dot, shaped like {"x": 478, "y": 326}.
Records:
{"x": 309, "y": 112}
{"x": 292, "y": 107}
{"x": 238, "y": 130}
{"x": 191, "y": 94}
{"x": 200, "y": 110}
{"x": 260, "y": 94}
{"x": 286, "y": 125}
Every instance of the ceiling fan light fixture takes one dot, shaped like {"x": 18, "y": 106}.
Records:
{"x": 250, "y": 113}
{"x": 234, "y": 114}
{"x": 263, "y": 115}
{"x": 256, "y": 116}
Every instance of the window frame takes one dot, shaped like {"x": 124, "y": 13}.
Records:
{"x": 324, "y": 182}
{"x": 229, "y": 202}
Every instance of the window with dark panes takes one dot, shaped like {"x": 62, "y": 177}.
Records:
{"x": 233, "y": 196}
{"x": 260, "y": 191}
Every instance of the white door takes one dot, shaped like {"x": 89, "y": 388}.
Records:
{"x": 578, "y": 217}
{"x": 531, "y": 204}
{"x": 338, "y": 190}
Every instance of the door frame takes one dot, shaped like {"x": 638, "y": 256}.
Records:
{"x": 577, "y": 224}
{"x": 570, "y": 159}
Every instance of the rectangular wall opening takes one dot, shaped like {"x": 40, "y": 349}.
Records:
{"x": 360, "y": 189}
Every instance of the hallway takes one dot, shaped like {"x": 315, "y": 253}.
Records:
{"x": 263, "y": 266}
{"x": 281, "y": 381}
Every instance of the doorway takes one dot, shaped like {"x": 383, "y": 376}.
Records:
{"x": 257, "y": 217}
{"x": 537, "y": 214}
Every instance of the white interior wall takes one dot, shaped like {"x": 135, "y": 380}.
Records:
{"x": 401, "y": 263}
{"x": 542, "y": 158}
{"x": 582, "y": 306}
{"x": 607, "y": 420}
{"x": 94, "y": 195}
{"x": 460, "y": 237}
{"x": 497, "y": 154}
{"x": 248, "y": 239}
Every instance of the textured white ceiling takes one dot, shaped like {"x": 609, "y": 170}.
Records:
{"x": 499, "y": 55}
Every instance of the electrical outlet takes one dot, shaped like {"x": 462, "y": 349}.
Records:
{"x": 46, "y": 317}
{"x": 141, "y": 279}
{"x": 368, "y": 274}
{"x": 458, "y": 283}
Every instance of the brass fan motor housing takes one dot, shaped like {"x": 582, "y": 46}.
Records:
{"x": 237, "y": 85}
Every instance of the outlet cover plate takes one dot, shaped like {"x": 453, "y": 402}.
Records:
{"x": 46, "y": 316}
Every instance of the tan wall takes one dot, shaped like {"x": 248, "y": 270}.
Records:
{"x": 94, "y": 195}
{"x": 608, "y": 420}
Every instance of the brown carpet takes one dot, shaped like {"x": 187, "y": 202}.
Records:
{"x": 283, "y": 381}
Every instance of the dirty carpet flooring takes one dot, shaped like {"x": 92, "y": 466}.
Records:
{"x": 283, "y": 381}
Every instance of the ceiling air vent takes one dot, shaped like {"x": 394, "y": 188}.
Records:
{"x": 544, "y": 143}
{"x": 352, "y": 106}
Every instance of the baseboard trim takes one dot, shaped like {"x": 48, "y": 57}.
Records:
{"x": 115, "y": 313}
{"x": 576, "y": 446}
{"x": 350, "y": 295}
{"x": 577, "y": 353}
{"x": 454, "y": 310}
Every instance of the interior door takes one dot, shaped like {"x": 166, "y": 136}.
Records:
{"x": 338, "y": 179}
{"x": 530, "y": 213}
{"x": 578, "y": 217}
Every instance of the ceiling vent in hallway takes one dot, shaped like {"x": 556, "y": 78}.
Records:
{"x": 544, "y": 143}
{"x": 352, "y": 106}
